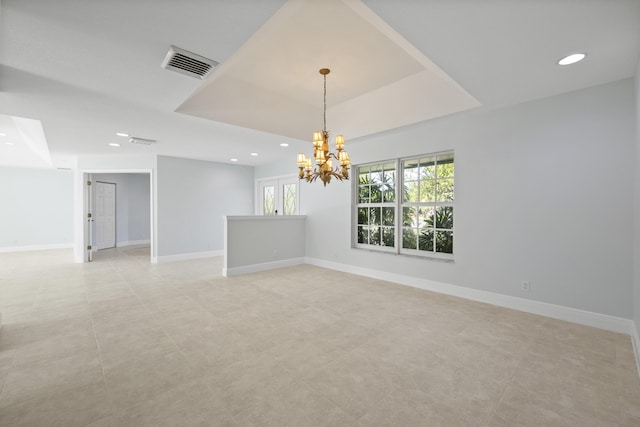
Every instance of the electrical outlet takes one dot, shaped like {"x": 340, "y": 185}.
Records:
{"x": 525, "y": 286}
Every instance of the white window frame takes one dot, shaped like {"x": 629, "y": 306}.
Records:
{"x": 398, "y": 205}
{"x": 357, "y": 205}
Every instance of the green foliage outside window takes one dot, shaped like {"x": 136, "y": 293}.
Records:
{"x": 376, "y": 205}
{"x": 426, "y": 204}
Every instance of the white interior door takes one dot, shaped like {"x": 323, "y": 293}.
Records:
{"x": 105, "y": 215}
{"x": 278, "y": 196}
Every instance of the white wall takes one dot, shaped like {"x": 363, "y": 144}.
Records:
{"x": 36, "y": 208}
{"x": 116, "y": 163}
{"x": 636, "y": 216}
{"x": 193, "y": 198}
{"x": 132, "y": 206}
{"x": 282, "y": 167}
{"x": 544, "y": 192}
{"x": 139, "y": 207}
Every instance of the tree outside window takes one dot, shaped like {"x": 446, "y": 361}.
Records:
{"x": 376, "y": 205}
{"x": 427, "y": 204}
{"x": 425, "y": 200}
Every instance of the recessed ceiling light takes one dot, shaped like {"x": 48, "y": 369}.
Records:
{"x": 122, "y": 134}
{"x": 254, "y": 154}
{"x": 8, "y": 143}
{"x": 3, "y": 134}
{"x": 284, "y": 144}
{"x": 234, "y": 160}
{"x": 114, "y": 144}
{"x": 572, "y": 59}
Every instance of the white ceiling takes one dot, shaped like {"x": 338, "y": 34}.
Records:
{"x": 23, "y": 143}
{"x": 87, "y": 69}
{"x": 379, "y": 81}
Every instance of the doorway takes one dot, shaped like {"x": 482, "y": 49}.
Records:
{"x": 277, "y": 196}
{"x": 133, "y": 219}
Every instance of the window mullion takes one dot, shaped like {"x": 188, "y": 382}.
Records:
{"x": 399, "y": 202}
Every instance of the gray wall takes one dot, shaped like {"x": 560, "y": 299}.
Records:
{"x": 132, "y": 206}
{"x": 193, "y": 196}
{"x": 36, "y": 207}
{"x": 254, "y": 243}
{"x": 544, "y": 193}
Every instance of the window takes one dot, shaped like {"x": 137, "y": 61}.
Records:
{"x": 290, "y": 199}
{"x": 427, "y": 204}
{"x": 377, "y": 205}
{"x": 277, "y": 196}
{"x": 406, "y": 206}
{"x": 269, "y": 199}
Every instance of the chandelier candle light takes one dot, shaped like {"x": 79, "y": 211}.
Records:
{"x": 324, "y": 163}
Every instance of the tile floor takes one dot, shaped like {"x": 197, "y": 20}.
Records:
{"x": 121, "y": 342}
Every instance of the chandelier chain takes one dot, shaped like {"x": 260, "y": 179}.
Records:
{"x": 324, "y": 125}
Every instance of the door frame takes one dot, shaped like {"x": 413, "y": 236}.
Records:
{"x": 82, "y": 226}
{"x": 277, "y": 179}
{"x": 92, "y": 204}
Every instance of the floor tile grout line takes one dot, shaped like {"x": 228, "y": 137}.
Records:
{"x": 4, "y": 383}
{"x": 63, "y": 389}
{"x": 346, "y": 410}
{"x": 513, "y": 374}
{"x": 11, "y": 366}
{"x": 507, "y": 382}
{"x": 95, "y": 336}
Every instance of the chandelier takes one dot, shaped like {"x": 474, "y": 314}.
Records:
{"x": 323, "y": 157}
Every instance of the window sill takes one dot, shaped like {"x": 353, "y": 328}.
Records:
{"x": 446, "y": 260}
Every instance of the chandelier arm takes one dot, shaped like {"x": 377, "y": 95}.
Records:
{"x": 318, "y": 174}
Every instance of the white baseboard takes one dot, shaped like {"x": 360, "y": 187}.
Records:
{"x": 254, "y": 268}
{"x": 184, "y": 257}
{"x": 7, "y": 249}
{"x": 602, "y": 321}
{"x": 132, "y": 243}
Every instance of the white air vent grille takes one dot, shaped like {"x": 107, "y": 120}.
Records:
{"x": 188, "y": 63}
{"x": 141, "y": 141}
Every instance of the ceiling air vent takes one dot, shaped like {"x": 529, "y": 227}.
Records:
{"x": 188, "y": 63}
{"x": 141, "y": 141}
